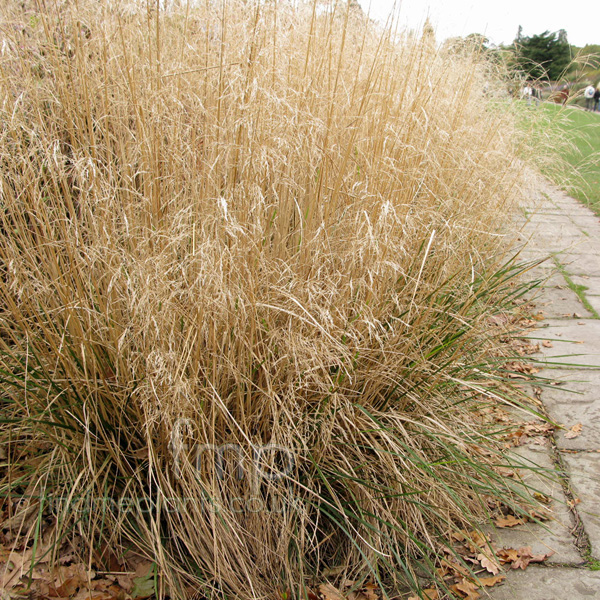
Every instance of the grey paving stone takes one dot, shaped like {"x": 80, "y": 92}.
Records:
{"x": 543, "y": 270}
{"x": 585, "y": 219}
{"x": 594, "y": 302}
{"x": 547, "y": 221}
{"x": 581, "y": 264}
{"x": 585, "y": 245}
{"x": 575, "y": 400}
{"x": 591, "y": 283}
{"x": 574, "y": 387}
{"x": 559, "y": 301}
{"x": 584, "y": 473}
{"x": 553, "y": 209}
{"x": 576, "y": 343}
{"x": 539, "y": 583}
{"x": 553, "y": 242}
{"x": 554, "y": 535}
{"x": 569, "y": 413}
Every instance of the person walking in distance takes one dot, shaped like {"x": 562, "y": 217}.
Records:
{"x": 590, "y": 90}
{"x": 597, "y": 98}
{"x": 527, "y": 92}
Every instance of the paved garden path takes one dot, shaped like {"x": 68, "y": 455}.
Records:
{"x": 557, "y": 225}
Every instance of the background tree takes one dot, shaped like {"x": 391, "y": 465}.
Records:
{"x": 543, "y": 56}
{"x": 586, "y": 67}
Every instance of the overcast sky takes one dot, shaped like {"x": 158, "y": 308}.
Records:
{"x": 500, "y": 19}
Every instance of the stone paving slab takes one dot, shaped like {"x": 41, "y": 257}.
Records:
{"x": 575, "y": 343}
{"x": 594, "y": 303}
{"x": 559, "y": 301}
{"x": 570, "y": 234}
{"x": 585, "y": 246}
{"x": 591, "y": 283}
{"x": 553, "y": 209}
{"x": 581, "y": 264}
{"x": 576, "y": 386}
{"x": 584, "y": 219}
{"x": 552, "y": 243}
{"x": 584, "y": 474}
{"x": 554, "y": 535}
{"x": 569, "y": 413}
{"x": 539, "y": 583}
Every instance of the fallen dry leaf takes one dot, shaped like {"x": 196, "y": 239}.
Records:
{"x": 526, "y": 557}
{"x": 369, "y": 591}
{"x": 547, "y": 344}
{"x": 476, "y": 541}
{"x": 574, "y": 431}
{"x": 428, "y": 594}
{"x": 490, "y": 564}
{"x": 467, "y": 589}
{"x": 18, "y": 564}
{"x": 491, "y": 581}
{"x": 507, "y": 555}
{"x": 330, "y": 592}
{"x": 508, "y": 521}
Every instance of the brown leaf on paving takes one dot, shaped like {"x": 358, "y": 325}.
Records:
{"x": 489, "y": 563}
{"x": 539, "y": 441}
{"x": 526, "y": 557}
{"x": 498, "y": 320}
{"x": 467, "y": 589}
{"x": 476, "y": 541}
{"x": 538, "y": 558}
{"x": 527, "y": 323}
{"x": 428, "y": 594}
{"x": 520, "y": 370}
{"x": 574, "y": 431}
{"x": 507, "y": 555}
{"x": 518, "y": 376}
{"x": 491, "y": 581}
{"x": 542, "y": 497}
{"x": 506, "y": 472}
{"x": 455, "y": 568}
{"x": 534, "y": 428}
{"x": 547, "y": 344}
{"x": 524, "y": 348}
{"x": 508, "y": 521}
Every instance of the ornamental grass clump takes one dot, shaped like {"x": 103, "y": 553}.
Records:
{"x": 249, "y": 252}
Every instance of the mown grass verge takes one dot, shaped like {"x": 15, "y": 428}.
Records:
{"x": 574, "y": 134}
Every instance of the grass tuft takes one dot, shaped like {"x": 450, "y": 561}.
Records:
{"x": 271, "y": 229}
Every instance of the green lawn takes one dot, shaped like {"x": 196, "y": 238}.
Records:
{"x": 581, "y": 130}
